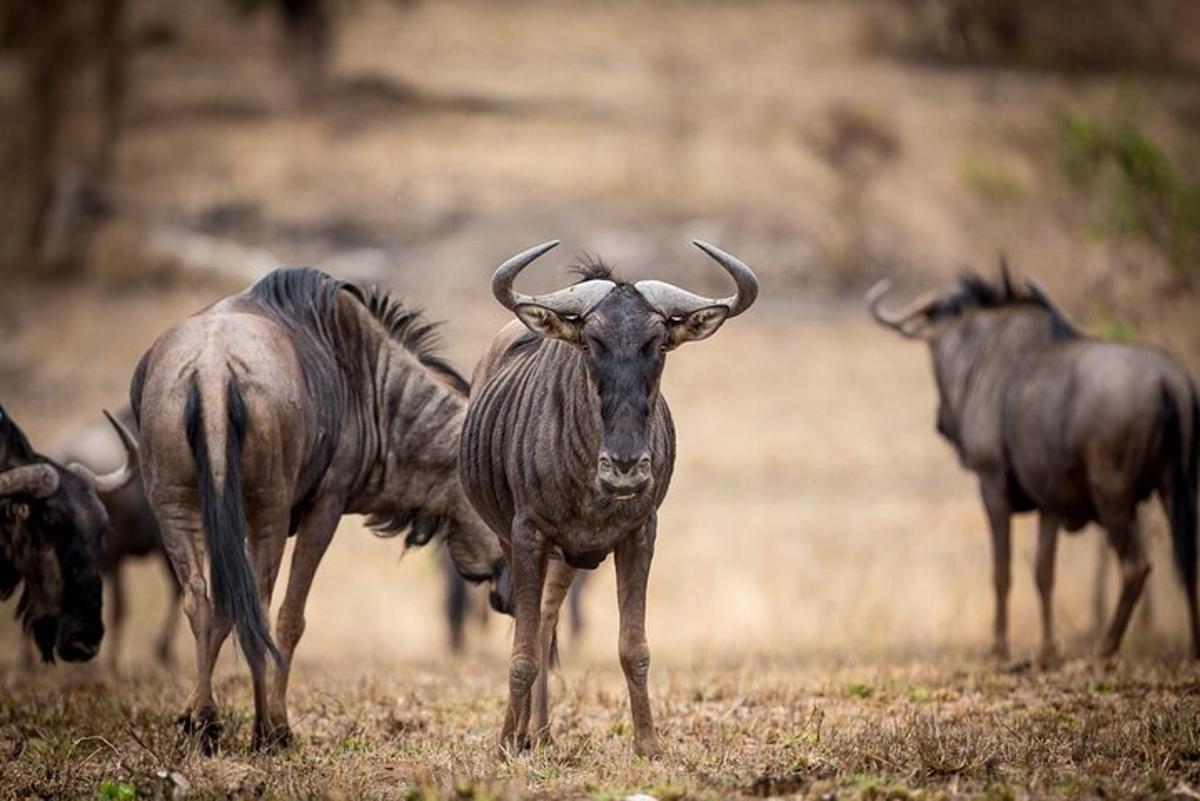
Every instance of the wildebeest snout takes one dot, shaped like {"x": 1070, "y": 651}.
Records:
{"x": 78, "y": 641}
{"x": 623, "y": 476}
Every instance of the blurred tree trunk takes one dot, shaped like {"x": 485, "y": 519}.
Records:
{"x": 63, "y": 142}
{"x": 308, "y": 33}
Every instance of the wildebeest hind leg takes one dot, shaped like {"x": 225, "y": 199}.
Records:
{"x": 181, "y": 539}
{"x": 1044, "y": 576}
{"x": 559, "y": 576}
{"x": 166, "y": 635}
{"x": 1127, "y": 542}
{"x": 633, "y": 556}
{"x": 268, "y": 538}
{"x": 528, "y": 574}
{"x": 312, "y": 539}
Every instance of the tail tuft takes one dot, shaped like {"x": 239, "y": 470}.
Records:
{"x": 1183, "y": 458}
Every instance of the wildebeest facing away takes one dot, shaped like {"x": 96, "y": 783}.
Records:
{"x": 568, "y": 450}
{"x": 132, "y": 532}
{"x": 272, "y": 413}
{"x": 1080, "y": 429}
{"x": 51, "y": 523}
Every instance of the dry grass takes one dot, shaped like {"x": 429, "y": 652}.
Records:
{"x": 822, "y": 579}
{"x": 767, "y": 729}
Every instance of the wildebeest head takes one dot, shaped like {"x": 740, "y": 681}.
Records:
{"x": 51, "y": 524}
{"x": 969, "y": 323}
{"x": 624, "y": 332}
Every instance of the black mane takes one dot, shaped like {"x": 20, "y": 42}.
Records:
{"x": 408, "y": 326}
{"x": 973, "y": 291}
{"x": 302, "y": 297}
{"x": 593, "y": 268}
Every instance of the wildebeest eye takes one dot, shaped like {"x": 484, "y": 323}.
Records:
{"x": 654, "y": 345}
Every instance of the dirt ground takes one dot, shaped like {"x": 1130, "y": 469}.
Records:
{"x": 820, "y": 601}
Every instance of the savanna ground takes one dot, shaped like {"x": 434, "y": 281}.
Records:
{"x": 820, "y": 603}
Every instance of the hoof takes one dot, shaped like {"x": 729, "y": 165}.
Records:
{"x": 1107, "y": 650}
{"x": 513, "y": 745}
{"x": 205, "y": 727}
{"x": 1048, "y": 659}
{"x": 648, "y": 747}
{"x": 272, "y": 739}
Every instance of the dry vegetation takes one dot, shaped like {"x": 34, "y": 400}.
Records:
{"x": 811, "y": 730}
{"x": 820, "y": 597}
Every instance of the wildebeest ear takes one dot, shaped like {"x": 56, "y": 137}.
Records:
{"x": 697, "y": 325}
{"x": 550, "y": 324}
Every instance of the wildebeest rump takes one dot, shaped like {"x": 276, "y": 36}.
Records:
{"x": 568, "y": 450}
{"x": 132, "y": 532}
{"x": 1079, "y": 429}
{"x": 51, "y": 523}
{"x": 274, "y": 412}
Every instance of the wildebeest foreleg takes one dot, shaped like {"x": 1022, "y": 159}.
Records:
{"x": 116, "y": 622}
{"x": 633, "y": 556}
{"x": 1044, "y": 576}
{"x": 1100, "y": 586}
{"x": 312, "y": 539}
{"x": 1125, "y": 539}
{"x": 559, "y": 576}
{"x": 528, "y": 573}
{"x": 996, "y": 503}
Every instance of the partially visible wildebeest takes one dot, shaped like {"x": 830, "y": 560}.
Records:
{"x": 458, "y": 603}
{"x": 51, "y": 523}
{"x": 132, "y": 530}
{"x": 272, "y": 413}
{"x": 568, "y": 450}
{"x": 1079, "y": 429}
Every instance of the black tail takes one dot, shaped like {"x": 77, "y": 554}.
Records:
{"x": 234, "y": 591}
{"x": 1184, "y": 466}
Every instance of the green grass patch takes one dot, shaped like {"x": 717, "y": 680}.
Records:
{"x": 1137, "y": 189}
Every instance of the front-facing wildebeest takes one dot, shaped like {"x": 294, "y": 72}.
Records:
{"x": 1080, "y": 429}
{"x": 132, "y": 531}
{"x": 51, "y": 523}
{"x": 567, "y": 452}
{"x": 274, "y": 412}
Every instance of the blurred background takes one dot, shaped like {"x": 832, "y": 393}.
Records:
{"x": 158, "y": 155}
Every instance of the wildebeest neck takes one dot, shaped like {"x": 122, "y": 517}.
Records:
{"x": 975, "y": 358}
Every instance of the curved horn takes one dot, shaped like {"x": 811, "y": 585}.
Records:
{"x": 671, "y": 301}
{"x": 576, "y": 299}
{"x": 38, "y": 480}
{"x": 118, "y": 479}
{"x": 897, "y": 319}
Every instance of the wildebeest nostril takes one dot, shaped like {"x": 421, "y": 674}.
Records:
{"x": 625, "y": 465}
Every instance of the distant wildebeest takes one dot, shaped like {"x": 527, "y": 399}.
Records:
{"x": 1079, "y": 429}
{"x": 272, "y": 413}
{"x": 51, "y": 523}
{"x": 568, "y": 450}
{"x": 458, "y": 605}
{"x": 132, "y": 531}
